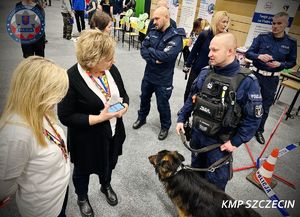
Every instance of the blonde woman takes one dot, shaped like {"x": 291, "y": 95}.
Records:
{"x": 34, "y": 160}
{"x": 198, "y": 58}
{"x": 96, "y": 133}
{"x": 198, "y": 26}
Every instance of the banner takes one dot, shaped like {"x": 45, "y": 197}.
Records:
{"x": 206, "y": 9}
{"x": 187, "y": 16}
{"x": 264, "y": 12}
{"x": 173, "y": 9}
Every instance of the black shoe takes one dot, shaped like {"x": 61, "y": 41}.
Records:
{"x": 111, "y": 196}
{"x": 85, "y": 208}
{"x": 260, "y": 138}
{"x": 138, "y": 123}
{"x": 163, "y": 134}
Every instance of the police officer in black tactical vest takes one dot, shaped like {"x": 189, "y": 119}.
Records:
{"x": 226, "y": 104}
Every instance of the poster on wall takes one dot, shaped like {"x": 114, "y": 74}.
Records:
{"x": 187, "y": 16}
{"x": 264, "y": 12}
{"x": 173, "y": 8}
{"x": 206, "y": 9}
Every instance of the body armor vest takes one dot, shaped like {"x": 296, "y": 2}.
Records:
{"x": 216, "y": 112}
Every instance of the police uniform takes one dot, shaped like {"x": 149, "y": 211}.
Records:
{"x": 247, "y": 97}
{"x": 283, "y": 50}
{"x": 158, "y": 78}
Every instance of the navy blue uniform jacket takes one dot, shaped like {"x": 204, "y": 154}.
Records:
{"x": 283, "y": 50}
{"x": 163, "y": 47}
{"x": 248, "y": 96}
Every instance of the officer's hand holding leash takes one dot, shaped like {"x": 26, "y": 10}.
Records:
{"x": 227, "y": 146}
{"x": 180, "y": 128}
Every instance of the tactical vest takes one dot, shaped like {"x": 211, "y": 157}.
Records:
{"x": 216, "y": 112}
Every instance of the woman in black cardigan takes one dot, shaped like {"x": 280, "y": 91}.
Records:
{"x": 95, "y": 135}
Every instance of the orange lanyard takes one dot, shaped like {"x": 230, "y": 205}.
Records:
{"x": 105, "y": 90}
{"x": 56, "y": 139}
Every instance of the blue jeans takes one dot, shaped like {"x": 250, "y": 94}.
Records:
{"x": 268, "y": 85}
{"x": 163, "y": 94}
{"x": 221, "y": 175}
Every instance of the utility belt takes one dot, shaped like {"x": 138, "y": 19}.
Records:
{"x": 266, "y": 73}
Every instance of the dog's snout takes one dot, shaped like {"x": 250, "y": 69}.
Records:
{"x": 152, "y": 159}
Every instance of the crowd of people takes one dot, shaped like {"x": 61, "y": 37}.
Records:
{"x": 228, "y": 103}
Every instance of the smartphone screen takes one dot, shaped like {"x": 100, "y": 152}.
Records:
{"x": 116, "y": 107}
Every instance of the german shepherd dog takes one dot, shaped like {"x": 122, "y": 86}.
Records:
{"x": 192, "y": 195}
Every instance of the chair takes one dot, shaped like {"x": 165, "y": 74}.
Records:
{"x": 130, "y": 33}
{"x": 117, "y": 28}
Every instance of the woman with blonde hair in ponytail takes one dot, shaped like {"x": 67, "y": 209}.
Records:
{"x": 34, "y": 160}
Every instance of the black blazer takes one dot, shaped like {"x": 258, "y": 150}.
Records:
{"x": 92, "y": 148}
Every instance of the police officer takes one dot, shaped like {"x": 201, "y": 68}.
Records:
{"x": 160, "y": 49}
{"x": 161, "y": 3}
{"x": 226, "y": 104}
{"x": 271, "y": 52}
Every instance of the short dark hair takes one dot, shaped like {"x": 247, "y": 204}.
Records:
{"x": 282, "y": 14}
{"x": 100, "y": 20}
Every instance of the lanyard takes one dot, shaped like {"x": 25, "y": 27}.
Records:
{"x": 105, "y": 90}
{"x": 56, "y": 139}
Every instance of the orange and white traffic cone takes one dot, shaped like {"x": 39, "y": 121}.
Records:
{"x": 266, "y": 170}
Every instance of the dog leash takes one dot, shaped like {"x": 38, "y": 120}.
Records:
{"x": 197, "y": 151}
{"x": 219, "y": 163}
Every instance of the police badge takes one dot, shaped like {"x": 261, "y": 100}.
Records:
{"x": 258, "y": 111}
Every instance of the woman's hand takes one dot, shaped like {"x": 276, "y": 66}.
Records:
{"x": 104, "y": 115}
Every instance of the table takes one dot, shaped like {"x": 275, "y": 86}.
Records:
{"x": 294, "y": 83}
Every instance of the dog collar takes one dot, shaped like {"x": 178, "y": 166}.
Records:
{"x": 181, "y": 166}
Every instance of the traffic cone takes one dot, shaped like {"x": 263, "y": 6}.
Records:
{"x": 266, "y": 170}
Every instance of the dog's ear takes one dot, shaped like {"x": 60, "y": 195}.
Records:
{"x": 180, "y": 156}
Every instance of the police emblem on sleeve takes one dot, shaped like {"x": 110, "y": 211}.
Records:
{"x": 258, "y": 111}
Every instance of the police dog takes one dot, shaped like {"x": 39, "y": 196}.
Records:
{"x": 192, "y": 195}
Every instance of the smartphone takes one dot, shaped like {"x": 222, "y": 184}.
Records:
{"x": 116, "y": 107}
